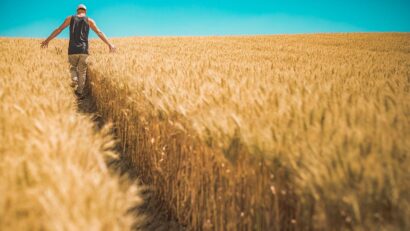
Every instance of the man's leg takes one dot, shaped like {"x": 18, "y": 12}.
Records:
{"x": 73, "y": 60}
{"x": 82, "y": 73}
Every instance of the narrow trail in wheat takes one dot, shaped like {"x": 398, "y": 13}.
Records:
{"x": 155, "y": 216}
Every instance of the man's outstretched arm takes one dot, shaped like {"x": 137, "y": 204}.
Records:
{"x": 56, "y": 32}
{"x": 100, "y": 34}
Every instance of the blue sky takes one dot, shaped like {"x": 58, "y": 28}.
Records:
{"x": 28, "y": 18}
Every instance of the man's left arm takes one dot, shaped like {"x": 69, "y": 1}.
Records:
{"x": 56, "y": 32}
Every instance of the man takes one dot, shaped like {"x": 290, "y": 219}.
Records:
{"x": 78, "y": 46}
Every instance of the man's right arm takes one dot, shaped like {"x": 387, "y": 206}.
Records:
{"x": 56, "y": 32}
{"x": 100, "y": 34}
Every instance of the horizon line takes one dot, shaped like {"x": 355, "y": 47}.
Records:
{"x": 226, "y": 35}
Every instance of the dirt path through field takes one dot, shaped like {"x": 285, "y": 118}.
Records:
{"x": 154, "y": 216}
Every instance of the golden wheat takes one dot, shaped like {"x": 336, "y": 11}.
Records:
{"x": 292, "y": 132}
{"x": 53, "y": 174}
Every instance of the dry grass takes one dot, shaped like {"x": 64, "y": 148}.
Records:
{"x": 53, "y": 174}
{"x": 293, "y": 132}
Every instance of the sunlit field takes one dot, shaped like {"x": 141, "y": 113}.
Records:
{"x": 285, "y": 132}
{"x": 53, "y": 174}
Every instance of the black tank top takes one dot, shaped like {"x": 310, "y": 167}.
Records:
{"x": 79, "y": 29}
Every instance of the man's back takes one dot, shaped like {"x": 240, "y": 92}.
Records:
{"x": 80, "y": 25}
{"x": 79, "y": 29}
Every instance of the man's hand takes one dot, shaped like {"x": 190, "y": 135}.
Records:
{"x": 44, "y": 44}
{"x": 112, "y": 48}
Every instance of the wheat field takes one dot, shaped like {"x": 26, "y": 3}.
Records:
{"x": 293, "y": 132}
{"x": 284, "y": 132}
{"x": 53, "y": 174}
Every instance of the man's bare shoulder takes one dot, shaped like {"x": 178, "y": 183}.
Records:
{"x": 92, "y": 24}
{"x": 65, "y": 23}
{"x": 91, "y": 20}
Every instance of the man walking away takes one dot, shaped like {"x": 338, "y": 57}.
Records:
{"x": 78, "y": 46}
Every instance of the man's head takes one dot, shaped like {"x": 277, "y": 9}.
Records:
{"x": 81, "y": 9}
